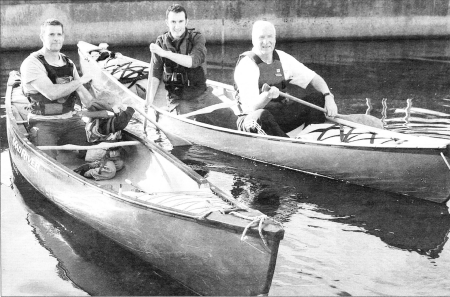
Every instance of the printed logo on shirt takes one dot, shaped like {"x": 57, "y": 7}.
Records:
{"x": 278, "y": 72}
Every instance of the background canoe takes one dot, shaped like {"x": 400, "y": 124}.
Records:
{"x": 404, "y": 164}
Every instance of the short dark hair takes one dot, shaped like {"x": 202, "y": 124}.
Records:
{"x": 176, "y": 8}
{"x": 51, "y": 22}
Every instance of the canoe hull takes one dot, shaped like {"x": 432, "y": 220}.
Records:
{"x": 207, "y": 255}
{"x": 418, "y": 167}
{"x": 421, "y": 173}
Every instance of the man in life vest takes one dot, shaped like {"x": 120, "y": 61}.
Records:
{"x": 52, "y": 84}
{"x": 179, "y": 60}
{"x": 265, "y": 112}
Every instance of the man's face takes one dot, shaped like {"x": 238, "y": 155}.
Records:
{"x": 263, "y": 39}
{"x": 53, "y": 38}
{"x": 177, "y": 23}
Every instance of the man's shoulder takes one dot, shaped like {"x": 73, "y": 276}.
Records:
{"x": 32, "y": 59}
{"x": 196, "y": 36}
{"x": 283, "y": 53}
{"x": 34, "y": 55}
{"x": 247, "y": 63}
{"x": 287, "y": 59}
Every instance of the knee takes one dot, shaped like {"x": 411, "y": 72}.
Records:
{"x": 258, "y": 120}
{"x": 315, "y": 98}
{"x": 265, "y": 116}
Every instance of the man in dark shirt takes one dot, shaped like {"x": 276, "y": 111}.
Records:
{"x": 179, "y": 60}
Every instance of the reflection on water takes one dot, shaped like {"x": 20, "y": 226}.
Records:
{"x": 91, "y": 261}
{"x": 419, "y": 121}
{"x": 340, "y": 239}
{"x": 405, "y": 223}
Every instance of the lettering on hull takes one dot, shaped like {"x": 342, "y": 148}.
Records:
{"x": 22, "y": 152}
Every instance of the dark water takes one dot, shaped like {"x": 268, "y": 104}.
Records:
{"x": 340, "y": 239}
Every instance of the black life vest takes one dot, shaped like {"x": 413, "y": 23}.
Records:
{"x": 272, "y": 74}
{"x": 58, "y": 75}
{"x": 181, "y": 81}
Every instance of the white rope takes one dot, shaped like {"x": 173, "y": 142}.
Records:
{"x": 254, "y": 125}
{"x": 255, "y": 221}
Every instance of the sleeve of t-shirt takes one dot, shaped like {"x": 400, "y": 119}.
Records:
{"x": 246, "y": 77}
{"x": 31, "y": 69}
{"x": 198, "y": 52}
{"x": 296, "y": 72}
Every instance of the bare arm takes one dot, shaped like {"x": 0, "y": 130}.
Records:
{"x": 85, "y": 97}
{"x": 261, "y": 100}
{"x": 246, "y": 77}
{"x": 56, "y": 91}
{"x": 321, "y": 86}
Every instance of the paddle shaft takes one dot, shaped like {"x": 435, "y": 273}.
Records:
{"x": 147, "y": 91}
{"x": 209, "y": 109}
{"x": 73, "y": 147}
{"x": 174, "y": 139}
{"x": 349, "y": 123}
{"x": 393, "y": 135}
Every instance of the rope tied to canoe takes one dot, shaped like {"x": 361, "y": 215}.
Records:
{"x": 253, "y": 126}
{"x": 128, "y": 73}
{"x": 255, "y": 221}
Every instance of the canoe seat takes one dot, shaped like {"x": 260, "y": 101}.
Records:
{"x": 196, "y": 202}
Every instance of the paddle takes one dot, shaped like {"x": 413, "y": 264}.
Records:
{"x": 174, "y": 139}
{"x": 340, "y": 119}
{"x": 209, "y": 109}
{"x": 73, "y": 147}
{"x": 147, "y": 92}
{"x": 363, "y": 119}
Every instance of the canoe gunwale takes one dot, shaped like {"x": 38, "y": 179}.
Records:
{"x": 445, "y": 148}
{"x": 61, "y": 169}
{"x": 444, "y": 145}
{"x": 225, "y": 225}
{"x": 400, "y": 158}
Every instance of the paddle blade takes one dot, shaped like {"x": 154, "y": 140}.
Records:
{"x": 363, "y": 119}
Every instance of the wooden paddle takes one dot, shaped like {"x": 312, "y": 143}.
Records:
{"x": 209, "y": 109}
{"x": 345, "y": 119}
{"x": 147, "y": 92}
{"x": 73, "y": 147}
{"x": 174, "y": 139}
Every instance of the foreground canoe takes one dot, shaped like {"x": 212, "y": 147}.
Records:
{"x": 384, "y": 160}
{"x": 168, "y": 215}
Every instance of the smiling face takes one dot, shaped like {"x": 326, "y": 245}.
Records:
{"x": 177, "y": 22}
{"x": 52, "y": 38}
{"x": 263, "y": 38}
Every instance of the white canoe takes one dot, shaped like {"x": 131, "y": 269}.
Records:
{"x": 169, "y": 215}
{"x": 380, "y": 159}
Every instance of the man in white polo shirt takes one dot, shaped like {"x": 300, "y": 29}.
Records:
{"x": 266, "y": 112}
